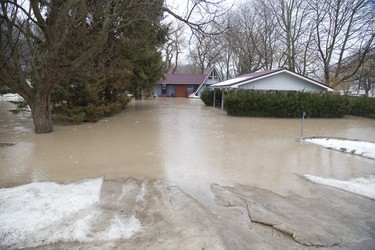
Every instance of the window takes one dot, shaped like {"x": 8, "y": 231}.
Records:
{"x": 213, "y": 75}
{"x": 190, "y": 88}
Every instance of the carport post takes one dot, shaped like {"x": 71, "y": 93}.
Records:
{"x": 222, "y": 100}
{"x": 214, "y": 98}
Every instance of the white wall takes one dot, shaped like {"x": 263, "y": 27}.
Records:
{"x": 284, "y": 82}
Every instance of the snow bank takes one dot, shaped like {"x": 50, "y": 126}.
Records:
{"x": 26, "y": 211}
{"x": 11, "y": 97}
{"x": 43, "y": 213}
{"x": 364, "y": 186}
{"x": 361, "y": 148}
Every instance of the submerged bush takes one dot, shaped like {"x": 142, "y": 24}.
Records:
{"x": 89, "y": 113}
{"x": 286, "y": 104}
{"x": 363, "y": 106}
{"x": 207, "y": 96}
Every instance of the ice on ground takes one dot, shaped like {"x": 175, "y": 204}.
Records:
{"x": 364, "y": 186}
{"x": 362, "y": 148}
{"x": 26, "y": 211}
{"x": 11, "y": 97}
{"x": 43, "y": 213}
{"x": 120, "y": 230}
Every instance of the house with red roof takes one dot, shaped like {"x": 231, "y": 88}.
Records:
{"x": 186, "y": 85}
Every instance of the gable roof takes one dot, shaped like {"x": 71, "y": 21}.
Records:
{"x": 190, "y": 79}
{"x": 183, "y": 79}
{"x": 247, "y": 78}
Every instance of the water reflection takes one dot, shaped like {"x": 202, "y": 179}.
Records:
{"x": 184, "y": 142}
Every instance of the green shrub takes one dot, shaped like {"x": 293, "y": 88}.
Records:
{"x": 89, "y": 113}
{"x": 363, "y": 106}
{"x": 207, "y": 96}
{"x": 285, "y": 104}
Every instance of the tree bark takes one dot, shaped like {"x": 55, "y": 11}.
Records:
{"x": 41, "y": 110}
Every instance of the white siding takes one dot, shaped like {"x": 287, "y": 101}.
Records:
{"x": 205, "y": 85}
{"x": 211, "y": 81}
{"x": 282, "y": 82}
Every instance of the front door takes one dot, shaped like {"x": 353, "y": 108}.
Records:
{"x": 181, "y": 91}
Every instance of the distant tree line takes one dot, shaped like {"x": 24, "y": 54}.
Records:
{"x": 314, "y": 38}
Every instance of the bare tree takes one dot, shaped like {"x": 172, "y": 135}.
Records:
{"x": 172, "y": 48}
{"x": 341, "y": 27}
{"x": 245, "y": 40}
{"x": 293, "y": 30}
{"x": 253, "y": 38}
{"x": 363, "y": 76}
{"x": 308, "y": 37}
{"x": 198, "y": 15}
{"x": 205, "y": 50}
{"x": 268, "y": 30}
{"x": 226, "y": 56}
{"x": 366, "y": 76}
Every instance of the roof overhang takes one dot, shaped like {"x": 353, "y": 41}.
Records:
{"x": 238, "y": 81}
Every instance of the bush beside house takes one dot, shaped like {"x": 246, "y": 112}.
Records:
{"x": 285, "y": 104}
{"x": 207, "y": 96}
{"x": 292, "y": 104}
{"x": 363, "y": 106}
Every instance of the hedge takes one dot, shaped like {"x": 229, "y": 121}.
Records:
{"x": 207, "y": 96}
{"x": 286, "y": 104}
{"x": 363, "y": 106}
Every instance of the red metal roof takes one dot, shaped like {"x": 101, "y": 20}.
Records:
{"x": 189, "y": 79}
{"x": 183, "y": 79}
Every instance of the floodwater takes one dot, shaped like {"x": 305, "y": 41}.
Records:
{"x": 184, "y": 142}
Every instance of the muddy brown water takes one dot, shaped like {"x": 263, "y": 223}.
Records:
{"x": 184, "y": 142}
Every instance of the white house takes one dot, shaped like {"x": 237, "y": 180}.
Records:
{"x": 276, "y": 80}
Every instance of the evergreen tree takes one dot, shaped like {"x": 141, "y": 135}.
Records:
{"x": 128, "y": 63}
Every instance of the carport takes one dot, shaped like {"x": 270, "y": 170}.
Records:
{"x": 223, "y": 88}
{"x": 271, "y": 80}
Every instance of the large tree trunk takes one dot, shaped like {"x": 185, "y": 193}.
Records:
{"x": 41, "y": 111}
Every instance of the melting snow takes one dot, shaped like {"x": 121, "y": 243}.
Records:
{"x": 362, "y": 148}
{"x": 42, "y": 213}
{"x": 120, "y": 230}
{"x": 364, "y": 186}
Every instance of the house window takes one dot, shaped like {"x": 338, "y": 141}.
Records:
{"x": 190, "y": 88}
{"x": 213, "y": 75}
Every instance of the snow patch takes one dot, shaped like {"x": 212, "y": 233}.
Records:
{"x": 11, "y": 97}
{"x": 28, "y": 212}
{"x": 355, "y": 147}
{"x": 121, "y": 229}
{"x": 364, "y": 186}
{"x": 43, "y": 213}
{"x": 142, "y": 193}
